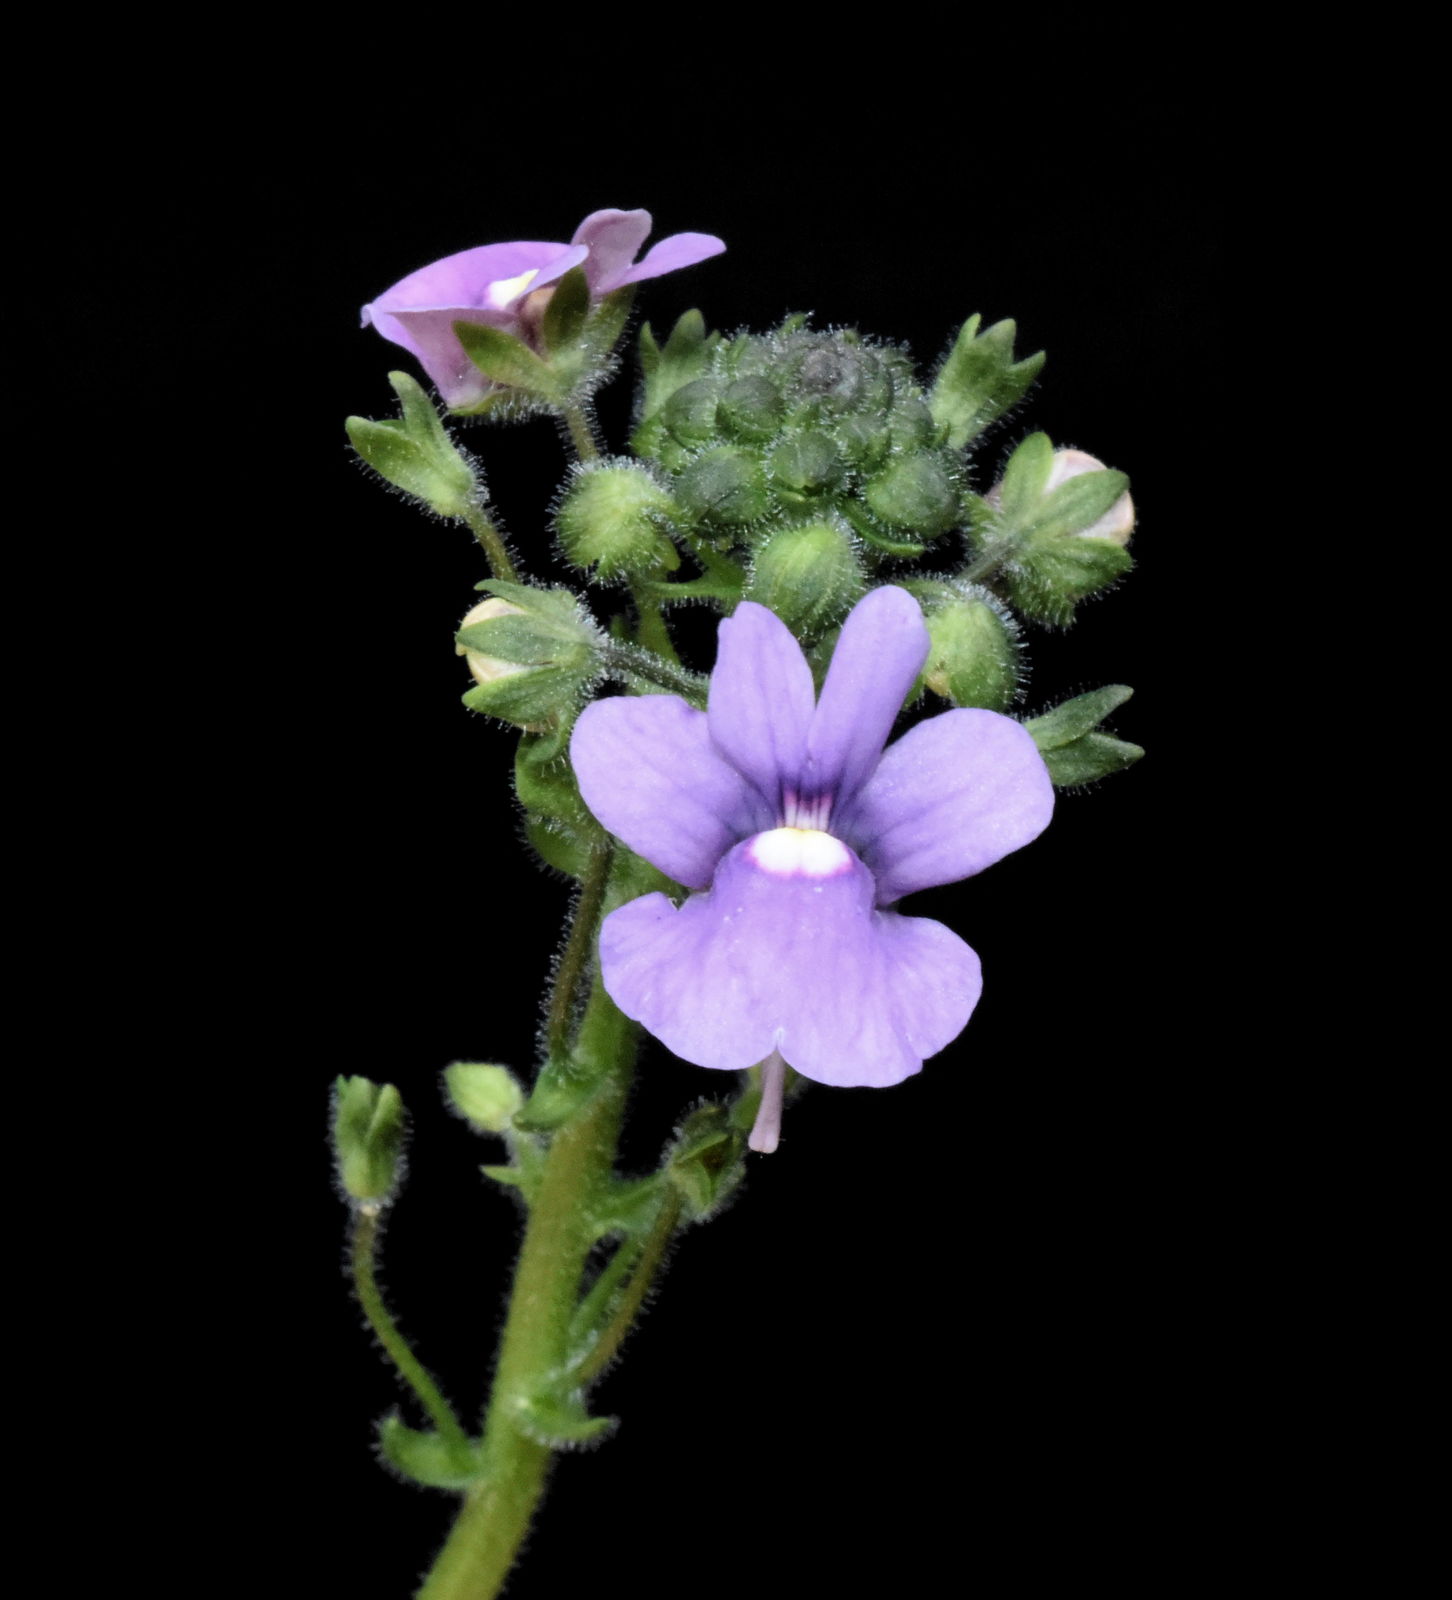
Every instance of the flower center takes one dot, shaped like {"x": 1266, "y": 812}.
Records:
{"x": 503, "y": 290}
{"x": 800, "y": 852}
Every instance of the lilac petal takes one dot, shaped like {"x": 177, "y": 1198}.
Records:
{"x": 761, "y": 699}
{"x": 648, "y": 771}
{"x": 614, "y": 238}
{"x": 796, "y": 961}
{"x": 463, "y": 280}
{"x": 882, "y": 648}
{"x": 430, "y": 336}
{"x": 952, "y": 796}
{"x": 670, "y": 255}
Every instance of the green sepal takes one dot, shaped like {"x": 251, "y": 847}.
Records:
{"x": 1077, "y": 503}
{"x": 506, "y": 360}
{"x": 1024, "y": 478}
{"x": 568, "y": 309}
{"x": 914, "y": 493}
{"x": 557, "y": 1417}
{"x": 559, "y": 606}
{"x": 428, "y": 1458}
{"x": 685, "y": 356}
{"x": 1096, "y": 755}
{"x": 705, "y": 1163}
{"x": 1048, "y": 580}
{"x": 561, "y": 1089}
{"x": 607, "y": 322}
{"x": 980, "y": 380}
{"x": 872, "y": 533}
{"x": 626, "y": 1206}
{"x": 533, "y": 698}
{"x": 1073, "y": 748}
{"x": 368, "y": 1127}
{"x": 415, "y": 453}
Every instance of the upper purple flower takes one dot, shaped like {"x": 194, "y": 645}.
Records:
{"x": 492, "y": 283}
{"x": 799, "y": 833}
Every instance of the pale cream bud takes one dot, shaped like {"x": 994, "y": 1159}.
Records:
{"x": 488, "y": 669}
{"x": 1117, "y": 523}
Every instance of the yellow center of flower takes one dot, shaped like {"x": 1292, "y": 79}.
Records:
{"x": 504, "y": 290}
{"x": 805, "y": 851}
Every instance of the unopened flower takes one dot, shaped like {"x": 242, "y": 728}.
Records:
{"x": 493, "y": 284}
{"x": 799, "y": 833}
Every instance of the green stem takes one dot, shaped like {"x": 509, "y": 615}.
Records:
{"x": 582, "y": 431}
{"x": 410, "y": 1368}
{"x": 492, "y": 542}
{"x": 496, "y": 1513}
{"x": 652, "y": 632}
{"x": 631, "y": 661}
{"x": 633, "y": 1297}
{"x": 577, "y": 952}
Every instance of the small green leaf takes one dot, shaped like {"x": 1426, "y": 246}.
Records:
{"x": 1074, "y": 718}
{"x": 1096, "y": 755}
{"x": 1048, "y": 580}
{"x": 1024, "y": 478}
{"x": 1076, "y": 504}
{"x": 559, "y": 1419}
{"x": 1073, "y": 749}
{"x": 428, "y": 1458}
{"x": 519, "y": 639}
{"x": 980, "y": 380}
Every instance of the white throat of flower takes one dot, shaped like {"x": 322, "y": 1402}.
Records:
{"x": 806, "y": 811}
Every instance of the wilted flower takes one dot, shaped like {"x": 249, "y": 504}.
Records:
{"x": 493, "y": 284}
{"x": 799, "y": 834}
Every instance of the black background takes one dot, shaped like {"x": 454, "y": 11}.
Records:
{"x": 969, "y": 1326}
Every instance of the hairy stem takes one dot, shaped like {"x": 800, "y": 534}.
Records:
{"x": 652, "y": 632}
{"x": 410, "y": 1368}
{"x": 492, "y": 543}
{"x": 582, "y": 431}
{"x": 497, "y": 1511}
{"x": 577, "y": 951}
{"x": 627, "y": 1307}
{"x": 631, "y": 661}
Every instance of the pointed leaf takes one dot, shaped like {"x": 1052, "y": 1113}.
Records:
{"x": 559, "y": 1419}
{"x": 428, "y": 1458}
{"x": 569, "y": 306}
{"x": 1096, "y": 755}
{"x": 507, "y": 360}
{"x": 1074, "y": 718}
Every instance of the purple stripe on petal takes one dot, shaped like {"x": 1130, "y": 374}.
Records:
{"x": 798, "y": 961}
{"x": 613, "y": 238}
{"x": 680, "y": 250}
{"x": 882, "y": 648}
{"x": 761, "y": 698}
{"x": 952, "y": 796}
{"x": 648, "y": 771}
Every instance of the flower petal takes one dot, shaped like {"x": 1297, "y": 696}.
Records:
{"x": 793, "y": 960}
{"x": 670, "y": 255}
{"x": 648, "y": 771}
{"x": 952, "y": 796}
{"x": 882, "y": 648}
{"x": 761, "y": 698}
{"x": 614, "y": 239}
{"x": 430, "y": 336}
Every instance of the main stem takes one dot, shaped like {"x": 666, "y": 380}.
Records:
{"x": 496, "y": 1513}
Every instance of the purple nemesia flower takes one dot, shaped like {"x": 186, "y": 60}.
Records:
{"x": 798, "y": 833}
{"x": 492, "y": 284}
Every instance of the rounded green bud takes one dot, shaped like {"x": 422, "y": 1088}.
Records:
{"x": 690, "y": 413}
{"x": 912, "y": 422}
{"x": 751, "y": 408}
{"x": 809, "y": 575}
{"x": 612, "y": 518}
{"x": 974, "y": 655}
{"x": 806, "y": 464}
{"x": 486, "y": 1095}
{"x": 367, "y": 1137}
{"x": 725, "y": 485}
{"x": 915, "y": 493}
{"x": 864, "y": 440}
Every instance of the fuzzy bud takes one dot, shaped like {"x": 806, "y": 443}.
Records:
{"x": 724, "y": 485}
{"x": 414, "y": 452}
{"x": 487, "y": 1096}
{"x": 973, "y": 659}
{"x": 915, "y": 493}
{"x": 367, "y": 1137}
{"x": 690, "y": 413}
{"x": 806, "y": 464}
{"x": 1117, "y": 523}
{"x": 809, "y": 575}
{"x": 751, "y": 408}
{"x": 530, "y": 655}
{"x": 612, "y": 518}
{"x": 488, "y": 669}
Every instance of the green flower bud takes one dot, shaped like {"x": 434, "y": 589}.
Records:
{"x": 915, "y": 493}
{"x": 367, "y": 1137}
{"x": 414, "y": 453}
{"x": 864, "y": 440}
{"x": 544, "y": 656}
{"x": 725, "y": 486}
{"x": 806, "y": 464}
{"x": 487, "y": 1096}
{"x": 973, "y": 659}
{"x": 612, "y": 517}
{"x": 809, "y": 575}
{"x": 690, "y": 413}
{"x": 751, "y": 408}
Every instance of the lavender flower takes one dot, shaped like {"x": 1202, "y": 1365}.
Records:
{"x": 494, "y": 283}
{"x": 799, "y": 833}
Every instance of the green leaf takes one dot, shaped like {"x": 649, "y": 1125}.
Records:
{"x": 1074, "y": 718}
{"x": 428, "y": 1458}
{"x": 603, "y": 330}
{"x": 627, "y": 1206}
{"x": 507, "y": 360}
{"x": 561, "y": 1090}
{"x": 1096, "y": 755}
{"x": 569, "y": 306}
